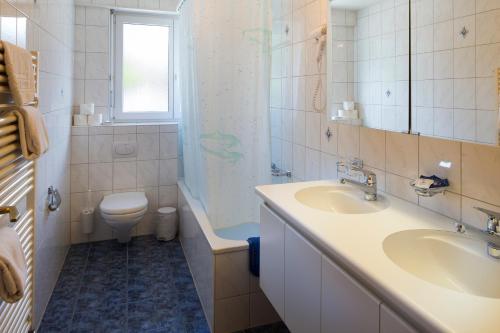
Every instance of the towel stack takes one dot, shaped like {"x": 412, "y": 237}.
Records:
{"x": 33, "y": 133}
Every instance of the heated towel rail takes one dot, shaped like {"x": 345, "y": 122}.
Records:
{"x": 17, "y": 183}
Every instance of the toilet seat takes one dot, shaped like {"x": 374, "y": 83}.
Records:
{"x": 124, "y": 204}
{"x": 124, "y": 217}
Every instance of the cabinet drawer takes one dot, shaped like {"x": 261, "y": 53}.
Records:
{"x": 346, "y": 306}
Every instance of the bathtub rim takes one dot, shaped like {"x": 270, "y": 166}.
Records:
{"x": 217, "y": 244}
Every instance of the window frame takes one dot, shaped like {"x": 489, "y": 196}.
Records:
{"x": 116, "y": 98}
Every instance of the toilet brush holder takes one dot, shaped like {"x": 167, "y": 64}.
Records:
{"x": 87, "y": 220}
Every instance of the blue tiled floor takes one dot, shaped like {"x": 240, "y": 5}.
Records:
{"x": 144, "y": 286}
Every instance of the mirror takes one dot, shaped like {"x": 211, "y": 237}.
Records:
{"x": 455, "y": 56}
{"x": 368, "y": 63}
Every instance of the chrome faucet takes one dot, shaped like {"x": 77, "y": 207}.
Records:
{"x": 491, "y": 234}
{"x": 368, "y": 186}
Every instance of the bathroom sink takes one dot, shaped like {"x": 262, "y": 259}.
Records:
{"x": 446, "y": 259}
{"x": 340, "y": 200}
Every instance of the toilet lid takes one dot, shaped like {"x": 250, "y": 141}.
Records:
{"x": 124, "y": 203}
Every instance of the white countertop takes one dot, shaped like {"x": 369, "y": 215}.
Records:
{"x": 355, "y": 242}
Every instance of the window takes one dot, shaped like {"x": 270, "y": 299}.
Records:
{"x": 143, "y": 72}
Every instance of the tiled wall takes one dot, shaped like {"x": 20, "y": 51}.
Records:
{"x": 92, "y": 36}
{"x": 454, "y": 87}
{"x": 94, "y": 168}
{"x": 399, "y": 158}
{"x": 298, "y": 140}
{"x": 381, "y": 51}
{"x": 49, "y": 29}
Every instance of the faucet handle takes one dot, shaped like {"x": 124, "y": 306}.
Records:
{"x": 491, "y": 214}
{"x": 493, "y": 219}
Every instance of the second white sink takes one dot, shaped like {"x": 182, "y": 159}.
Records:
{"x": 340, "y": 200}
{"x": 446, "y": 259}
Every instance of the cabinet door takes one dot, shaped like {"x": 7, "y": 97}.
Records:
{"x": 346, "y": 306}
{"x": 390, "y": 322}
{"x": 302, "y": 284}
{"x": 272, "y": 258}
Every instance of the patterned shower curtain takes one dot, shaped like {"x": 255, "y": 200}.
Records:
{"x": 225, "y": 58}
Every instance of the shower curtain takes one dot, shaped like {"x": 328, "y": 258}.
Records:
{"x": 224, "y": 82}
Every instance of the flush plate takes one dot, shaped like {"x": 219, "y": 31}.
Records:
{"x": 124, "y": 149}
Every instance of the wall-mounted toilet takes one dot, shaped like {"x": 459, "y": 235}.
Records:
{"x": 122, "y": 211}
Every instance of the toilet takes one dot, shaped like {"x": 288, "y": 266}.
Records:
{"x": 122, "y": 212}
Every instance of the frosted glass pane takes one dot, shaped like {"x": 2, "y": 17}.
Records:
{"x": 8, "y": 29}
{"x": 145, "y": 68}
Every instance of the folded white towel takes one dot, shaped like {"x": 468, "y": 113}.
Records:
{"x": 13, "y": 268}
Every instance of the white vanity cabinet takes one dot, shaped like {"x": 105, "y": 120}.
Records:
{"x": 302, "y": 284}
{"x": 272, "y": 258}
{"x": 390, "y": 322}
{"x": 346, "y": 306}
{"x": 311, "y": 293}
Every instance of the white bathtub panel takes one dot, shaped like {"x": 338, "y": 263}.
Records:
{"x": 232, "y": 277}
{"x": 232, "y": 314}
{"x": 199, "y": 257}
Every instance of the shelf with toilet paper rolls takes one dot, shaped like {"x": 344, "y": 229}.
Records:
{"x": 348, "y": 115}
{"x": 87, "y": 116}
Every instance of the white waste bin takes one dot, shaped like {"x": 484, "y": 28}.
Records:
{"x": 166, "y": 227}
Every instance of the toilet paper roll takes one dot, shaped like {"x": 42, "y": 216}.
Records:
{"x": 87, "y": 220}
{"x": 95, "y": 119}
{"x": 348, "y": 105}
{"x": 343, "y": 113}
{"x": 348, "y": 114}
{"x": 79, "y": 120}
{"x": 87, "y": 109}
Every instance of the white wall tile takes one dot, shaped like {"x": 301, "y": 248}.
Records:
{"x": 168, "y": 145}
{"x": 168, "y": 172}
{"x": 97, "y": 92}
{"x": 101, "y": 148}
{"x": 167, "y": 196}
{"x": 97, "y": 66}
{"x": 148, "y": 146}
{"x": 486, "y": 94}
{"x": 464, "y": 93}
{"x": 313, "y": 126}
{"x": 486, "y": 126}
{"x": 464, "y": 62}
{"x": 79, "y": 149}
{"x": 124, "y": 175}
{"x": 464, "y": 7}
{"x": 79, "y": 178}
{"x": 464, "y": 124}
{"x": 96, "y": 39}
{"x": 147, "y": 173}
{"x": 469, "y": 22}
{"x": 101, "y": 176}
{"x": 299, "y": 127}
{"x": 97, "y": 16}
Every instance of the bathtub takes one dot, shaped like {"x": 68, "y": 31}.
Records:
{"x": 218, "y": 260}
